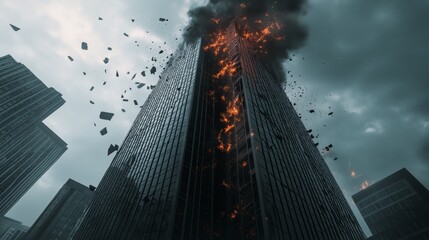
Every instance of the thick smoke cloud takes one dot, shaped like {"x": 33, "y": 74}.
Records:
{"x": 285, "y": 12}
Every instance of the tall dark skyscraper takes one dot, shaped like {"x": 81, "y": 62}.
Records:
{"x": 396, "y": 207}
{"x": 218, "y": 152}
{"x": 61, "y": 215}
{"x": 28, "y": 148}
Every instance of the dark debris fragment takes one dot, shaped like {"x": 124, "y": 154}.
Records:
{"x": 70, "y": 58}
{"x": 103, "y": 131}
{"x": 15, "y": 28}
{"x": 84, "y": 46}
{"x": 112, "y": 149}
{"x": 106, "y": 116}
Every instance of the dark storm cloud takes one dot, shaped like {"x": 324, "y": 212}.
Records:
{"x": 285, "y": 12}
{"x": 372, "y": 58}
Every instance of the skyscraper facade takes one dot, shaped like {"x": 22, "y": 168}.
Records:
{"x": 28, "y": 148}
{"x": 10, "y": 229}
{"x": 63, "y": 212}
{"x": 396, "y": 207}
{"x": 218, "y": 156}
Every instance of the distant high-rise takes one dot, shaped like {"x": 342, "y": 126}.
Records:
{"x": 396, "y": 207}
{"x": 63, "y": 212}
{"x": 11, "y": 229}
{"x": 28, "y": 148}
{"x": 218, "y": 156}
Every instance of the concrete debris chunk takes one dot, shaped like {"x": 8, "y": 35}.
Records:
{"x": 106, "y": 116}
{"x": 84, "y": 46}
{"x": 103, "y": 131}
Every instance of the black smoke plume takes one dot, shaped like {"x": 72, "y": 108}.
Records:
{"x": 286, "y": 12}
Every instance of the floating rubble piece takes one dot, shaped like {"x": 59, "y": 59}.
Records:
{"x": 311, "y": 111}
{"x": 99, "y": 18}
{"x": 141, "y": 85}
{"x": 105, "y": 71}
{"x": 109, "y": 48}
{"x": 91, "y": 102}
{"x": 104, "y": 83}
{"x": 161, "y": 52}
{"x": 316, "y": 144}
{"x": 126, "y": 35}
{"x": 153, "y": 70}
{"x": 117, "y": 74}
{"x": 163, "y": 19}
{"x": 15, "y": 28}
{"x": 310, "y": 130}
{"x": 70, "y": 58}
{"x": 329, "y": 114}
{"x": 84, "y": 46}
{"x": 106, "y": 61}
{"x": 135, "y": 102}
{"x": 134, "y": 76}
{"x": 84, "y": 73}
{"x": 106, "y": 116}
{"x": 125, "y": 100}
{"x": 103, "y": 131}
{"x": 144, "y": 74}
{"x": 112, "y": 149}
{"x": 122, "y": 96}
{"x": 152, "y": 86}
{"x": 132, "y": 20}
{"x": 95, "y": 125}
{"x": 335, "y": 159}
{"x": 92, "y": 88}
{"x": 123, "y": 110}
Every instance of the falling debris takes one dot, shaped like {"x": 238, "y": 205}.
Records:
{"x": 153, "y": 70}
{"x": 99, "y": 18}
{"x": 132, "y": 20}
{"x": 91, "y": 102}
{"x": 152, "y": 86}
{"x": 125, "y": 100}
{"x": 163, "y": 19}
{"x": 329, "y": 114}
{"x": 15, "y": 28}
{"x": 126, "y": 35}
{"x": 140, "y": 85}
{"x": 84, "y": 46}
{"x": 134, "y": 76}
{"x": 106, "y": 116}
{"x": 106, "y": 61}
{"x": 70, "y": 58}
{"x": 144, "y": 74}
{"x": 92, "y": 88}
{"x": 117, "y": 74}
{"x": 84, "y": 73}
{"x": 310, "y": 130}
{"x": 109, "y": 48}
{"x": 103, "y": 131}
{"x": 161, "y": 52}
{"x": 112, "y": 149}
{"x": 335, "y": 159}
{"x": 316, "y": 144}
{"x": 135, "y": 102}
{"x": 123, "y": 110}
{"x": 311, "y": 111}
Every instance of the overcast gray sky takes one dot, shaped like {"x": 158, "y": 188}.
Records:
{"x": 366, "y": 61}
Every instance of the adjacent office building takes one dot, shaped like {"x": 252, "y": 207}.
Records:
{"x": 11, "y": 229}
{"x": 396, "y": 207}
{"x": 225, "y": 158}
{"x": 28, "y": 148}
{"x": 61, "y": 215}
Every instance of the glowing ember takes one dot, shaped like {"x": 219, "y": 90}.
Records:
{"x": 364, "y": 185}
{"x": 244, "y": 164}
{"x": 234, "y": 214}
{"x": 353, "y": 174}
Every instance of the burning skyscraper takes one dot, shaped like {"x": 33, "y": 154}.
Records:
{"x": 218, "y": 152}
